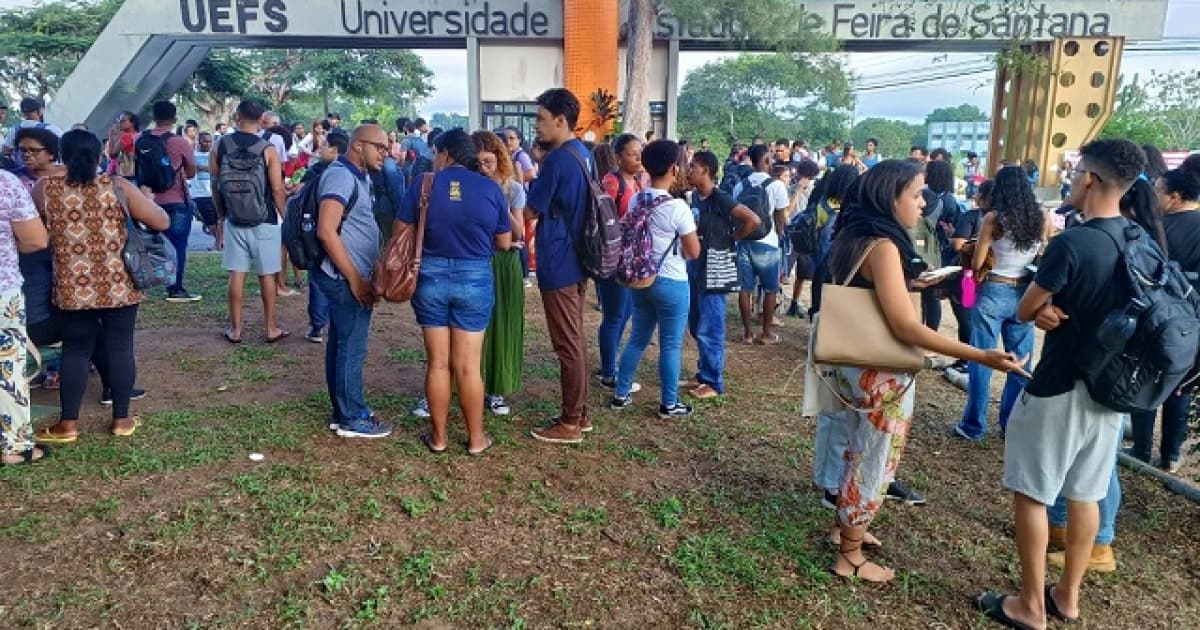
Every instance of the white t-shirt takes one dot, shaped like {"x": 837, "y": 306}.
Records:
{"x": 777, "y": 194}
{"x": 670, "y": 219}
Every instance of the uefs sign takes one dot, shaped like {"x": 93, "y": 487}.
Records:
{"x": 372, "y": 18}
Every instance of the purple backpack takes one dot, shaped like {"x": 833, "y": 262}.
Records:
{"x": 637, "y": 268}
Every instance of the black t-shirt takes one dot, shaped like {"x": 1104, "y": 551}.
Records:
{"x": 1078, "y": 268}
{"x": 967, "y": 227}
{"x": 1183, "y": 239}
{"x": 714, "y": 221}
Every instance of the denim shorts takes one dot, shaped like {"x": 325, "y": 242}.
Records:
{"x": 758, "y": 266}
{"x": 455, "y": 292}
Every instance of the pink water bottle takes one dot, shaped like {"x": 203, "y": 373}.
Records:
{"x": 968, "y": 288}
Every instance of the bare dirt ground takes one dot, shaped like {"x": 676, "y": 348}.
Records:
{"x": 708, "y": 522}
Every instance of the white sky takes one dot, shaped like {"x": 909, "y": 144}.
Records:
{"x": 909, "y": 103}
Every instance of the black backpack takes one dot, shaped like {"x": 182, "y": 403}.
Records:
{"x": 383, "y": 202}
{"x": 598, "y": 247}
{"x": 299, "y": 230}
{"x": 242, "y": 180}
{"x": 416, "y": 168}
{"x": 152, "y": 165}
{"x": 733, "y": 175}
{"x": 1143, "y": 350}
{"x": 804, "y": 233}
{"x": 755, "y": 197}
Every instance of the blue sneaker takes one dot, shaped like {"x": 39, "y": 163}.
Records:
{"x": 364, "y": 428}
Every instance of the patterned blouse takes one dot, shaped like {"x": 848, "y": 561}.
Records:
{"x": 15, "y": 206}
{"x": 87, "y": 233}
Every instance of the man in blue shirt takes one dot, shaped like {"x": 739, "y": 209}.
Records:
{"x": 557, "y": 199}
{"x": 350, "y": 237}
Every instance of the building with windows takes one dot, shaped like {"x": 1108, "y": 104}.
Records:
{"x": 959, "y": 138}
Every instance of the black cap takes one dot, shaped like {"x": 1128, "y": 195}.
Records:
{"x": 31, "y": 104}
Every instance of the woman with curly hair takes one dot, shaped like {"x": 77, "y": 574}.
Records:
{"x": 1012, "y": 233}
{"x": 504, "y": 340}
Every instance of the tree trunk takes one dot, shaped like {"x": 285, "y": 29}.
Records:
{"x": 638, "y": 45}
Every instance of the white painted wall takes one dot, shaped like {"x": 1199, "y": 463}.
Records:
{"x": 518, "y": 73}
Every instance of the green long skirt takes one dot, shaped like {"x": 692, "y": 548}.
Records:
{"x": 504, "y": 341}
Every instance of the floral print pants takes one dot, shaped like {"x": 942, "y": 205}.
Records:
{"x": 16, "y": 430}
{"x": 878, "y": 430}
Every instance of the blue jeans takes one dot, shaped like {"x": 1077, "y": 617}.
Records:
{"x": 346, "y": 350}
{"x": 663, "y": 304}
{"x": 706, "y": 323}
{"x": 616, "y": 307}
{"x": 318, "y": 304}
{"x": 1174, "y": 430}
{"x": 995, "y": 315}
{"x": 1109, "y": 506}
{"x": 177, "y": 233}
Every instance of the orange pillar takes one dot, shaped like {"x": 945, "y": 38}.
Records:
{"x": 590, "y": 56}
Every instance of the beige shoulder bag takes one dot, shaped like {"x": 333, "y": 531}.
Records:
{"x": 853, "y": 330}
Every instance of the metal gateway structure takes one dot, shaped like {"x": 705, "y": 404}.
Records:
{"x": 518, "y": 48}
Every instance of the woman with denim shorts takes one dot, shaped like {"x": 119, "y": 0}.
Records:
{"x": 467, "y": 220}
{"x": 664, "y": 304}
{"x": 1012, "y": 232}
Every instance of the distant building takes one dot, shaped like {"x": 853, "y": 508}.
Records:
{"x": 960, "y": 137}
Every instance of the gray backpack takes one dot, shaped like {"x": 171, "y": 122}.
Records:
{"x": 242, "y": 182}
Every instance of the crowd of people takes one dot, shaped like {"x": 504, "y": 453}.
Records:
{"x": 495, "y": 211}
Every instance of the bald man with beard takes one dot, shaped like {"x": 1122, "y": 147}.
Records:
{"x": 350, "y": 236}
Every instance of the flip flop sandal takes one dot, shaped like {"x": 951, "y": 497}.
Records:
{"x": 228, "y": 335}
{"x": 27, "y": 456}
{"x": 1052, "y": 607}
{"x": 992, "y": 605}
{"x": 427, "y": 440}
{"x": 46, "y": 437}
{"x": 127, "y": 432}
{"x": 483, "y": 450}
{"x": 774, "y": 339}
{"x": 283, "y": 334}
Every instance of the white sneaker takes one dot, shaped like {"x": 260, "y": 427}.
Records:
{"x": 422, "y": 408}
{"x": 498, "y": 406}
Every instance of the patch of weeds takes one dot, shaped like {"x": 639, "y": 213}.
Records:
{"x": 335, "y": 581}
{"x": 30, "y": 528}
{"x": 371, "y": 509}
{"x": 368, "y": 609}
{"x": 668, "y": 513}
{"x": 414, "y": 507}
{"x": 293, "y": 610}
{"x": 250, "y": 355}
{"x": 584, "y": 519}
{"x": 540, "y": 496}
{"x": 632, "y": 453}
{"x": 716, "y": 559}
{"x": 545, "y": 369}
{"x": 194, "y": 515}
{"x": 437, "y": 489}
{"x": 104, "y": 509}
{"x": 406, "y": 355}
{"x": 251, "y": 484}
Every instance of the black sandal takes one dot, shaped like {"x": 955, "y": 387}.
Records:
{"x": 992, "y": 606}
{"x": 27, "y": 457}
{"x": 1052, "y": 607}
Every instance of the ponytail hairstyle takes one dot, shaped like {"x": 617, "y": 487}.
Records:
{"x": 1140, "y": 205}
{"x": 80, "y": 155}
{"x": 459, "y": 147}
{"x": 1156, "y": 165}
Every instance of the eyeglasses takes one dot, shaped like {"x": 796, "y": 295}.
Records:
{"x": 31, "y": 151}
{"x": 1077, "y": 172}
{"x": 379, "y": 146}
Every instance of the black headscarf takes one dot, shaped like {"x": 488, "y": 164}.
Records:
{"x": 868, "y": 211}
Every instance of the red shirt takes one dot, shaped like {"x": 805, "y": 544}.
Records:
{"x": 181, "y": 155}
{"x": 612, "y": 185}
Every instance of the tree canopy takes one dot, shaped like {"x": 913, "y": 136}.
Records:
{"x": 42, "y": 44}
{"x": 961, "y": 113}
{"x": 768, "y": 95}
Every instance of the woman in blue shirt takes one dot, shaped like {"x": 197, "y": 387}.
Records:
{"x": 466, "y": 221}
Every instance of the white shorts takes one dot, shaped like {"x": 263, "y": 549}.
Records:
{"x": 1062, "y": 445}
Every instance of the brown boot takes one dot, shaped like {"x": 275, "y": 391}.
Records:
{"x": 1103, "y": 559}
{"x": 1058, "y": 538}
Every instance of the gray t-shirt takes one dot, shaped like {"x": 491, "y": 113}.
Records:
{"x": 360, "y": 232}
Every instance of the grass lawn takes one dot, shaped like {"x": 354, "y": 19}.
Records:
{"x": 708, "y": 522}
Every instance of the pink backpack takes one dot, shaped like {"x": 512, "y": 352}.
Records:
{"x": 637, "y": 268}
